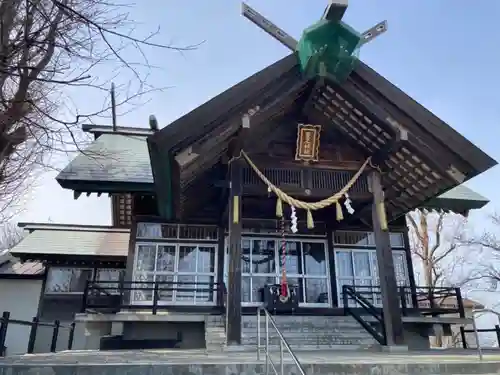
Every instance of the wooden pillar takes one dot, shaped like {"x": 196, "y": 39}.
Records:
{"x": 233, "y": 305}
{"x": 331, "y": 261}
{"x": 390, "y": 297}
{"x": 221, "y": 263}
{"x": 409, "y": 266}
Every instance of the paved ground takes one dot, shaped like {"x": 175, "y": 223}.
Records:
{"x": 148, "y": 357}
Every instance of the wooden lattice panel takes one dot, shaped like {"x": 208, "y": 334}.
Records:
{"x": 407, "y": 177}
{"x": 122, "y": 210}
{"x": 294, "y": 178}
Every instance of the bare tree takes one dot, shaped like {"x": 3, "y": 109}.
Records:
{"x": 439, "y": 253}
{"x": 437, "y": 245}
{"x": 10, "y": 236}
{"x": 48, "y": 50}
{"x": 488, "y": 243}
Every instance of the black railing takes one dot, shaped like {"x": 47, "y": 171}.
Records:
{"x": 6, "y": 321}
{"x": 433, "y": 301}
{"x": 150, "y": 295}
{"x": 464, "y": 331}
{"x": 349, "y": 293}
{"x": 420, "y": 300}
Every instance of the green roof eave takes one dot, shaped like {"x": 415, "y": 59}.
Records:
{"x": 460, "y": 200}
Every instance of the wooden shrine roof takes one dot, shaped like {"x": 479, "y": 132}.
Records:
{"x": 366, "y": 109}
{"x": 124, "y": 172}
{"x": 115, "y": 162}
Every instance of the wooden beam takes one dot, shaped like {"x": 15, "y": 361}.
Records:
{"x": 224, "y": 196}
{"x": 382, "y": 156}
{"x": 423, "y": 118}
{"x": 335, "y": 10}
{"x": 233, "y": 305}
{"x": 432, "y": 151}
{"x": 206, "y": 117}
{"x": 390, "y": 302}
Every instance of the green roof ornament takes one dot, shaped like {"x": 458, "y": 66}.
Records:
{"x": 330, "y": 47}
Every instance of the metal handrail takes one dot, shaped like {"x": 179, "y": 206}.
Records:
{"x": 283, "y": 343}
{"x": 474, "y": 326}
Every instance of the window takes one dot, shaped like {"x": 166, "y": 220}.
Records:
{"x": 73, "y": 279}
{"x": 356, "y": 262}
{"x": 306, "y": 266}
{"x": 191, "y": 232}
{"x": 187, "y": 273}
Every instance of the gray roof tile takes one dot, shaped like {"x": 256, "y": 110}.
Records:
{"x": 462, "y": 192}
{"x": 83, "y": 241}
{"x": 112, "y": 158}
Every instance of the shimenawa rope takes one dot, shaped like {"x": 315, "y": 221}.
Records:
{"x": 308, "y": 206}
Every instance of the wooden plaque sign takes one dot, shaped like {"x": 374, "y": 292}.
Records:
{"x": 307, "y": 142}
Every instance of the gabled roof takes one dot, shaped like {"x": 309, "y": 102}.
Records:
{"x": 460, "y": 199}
{"x": 195, "y": 124}
{"x": 230, "y": 104}
{"x": 98, "y": 130}
{"x": 111, "y": 161}
{"x": 454, "y": 200}
{"x": 45, "y": 240}
{"x": 366, "y": 109}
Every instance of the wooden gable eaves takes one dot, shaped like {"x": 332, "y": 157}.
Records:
{"x": 429, "y": 122}
{"x": 421, "y": 166}
{"x": 201, "y": 120}
{"x": 433, "y": 159}
{"x": 208, "y": 130}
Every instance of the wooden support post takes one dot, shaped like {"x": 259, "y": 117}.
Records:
{"x": 389, "y": 289}
{"x": 233, "y": 305}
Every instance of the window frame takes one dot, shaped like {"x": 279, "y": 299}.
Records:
{"x": 376, "y": 300}
{"x": 94, "y": 271}
{"x": 175, "y": 273}
{"x": 277, "y": 273}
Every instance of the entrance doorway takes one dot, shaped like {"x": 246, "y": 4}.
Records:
{"x": 306, "y": 266}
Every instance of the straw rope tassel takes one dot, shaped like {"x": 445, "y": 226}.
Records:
{"x": 340, "y": 214}
{"x": 382, "y": 216}
{"x": 311, "y": 206}
{"x": 236, "y": 210}
{"x": 310, "y": 221}
{"x": 279, "y": 208}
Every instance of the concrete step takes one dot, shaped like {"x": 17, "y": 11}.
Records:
{"x": 310, "y": 331}
{"x": 172, "y": 362}
{"x": 318, "y": 344}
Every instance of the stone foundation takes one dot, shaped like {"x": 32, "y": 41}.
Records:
{"x": 195, "y": 362}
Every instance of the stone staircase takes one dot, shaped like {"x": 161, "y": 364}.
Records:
{"x": 311, "y": 332}
{"x": 215, "y": 332}
{"x": 301, "y": 332}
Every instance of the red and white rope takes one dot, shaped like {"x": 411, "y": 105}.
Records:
{"x": 284, "y": 283}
